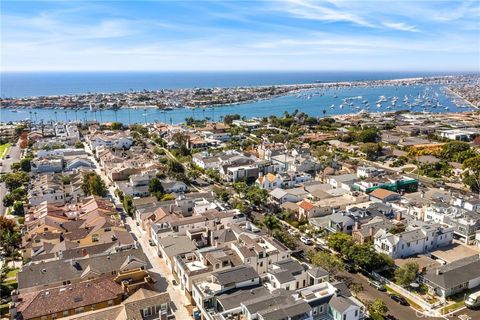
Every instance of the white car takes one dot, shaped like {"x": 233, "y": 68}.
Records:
{"x": 306, "y": 241}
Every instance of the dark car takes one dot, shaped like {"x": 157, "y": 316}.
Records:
{"x": 350, "y": 269}
{"x": 399, "y": 299}
{"x": 390, "y": 317}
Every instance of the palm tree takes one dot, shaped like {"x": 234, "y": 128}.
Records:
{"x": 270, "y": 222}
{"x": 56, "y": 118}
{"x": 324, "y": 112}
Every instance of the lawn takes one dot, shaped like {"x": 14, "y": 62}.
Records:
{"x": 12, "y": 273}
{"x": 452, "y": 307}
{"x": 4, "y": 150}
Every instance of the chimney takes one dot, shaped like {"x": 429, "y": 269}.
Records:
{"x": 356, "y": 226}
{"x": 84, "y": 252}
{"x": 438, "y": 272}
{"x": 371, "y": 231}
{"x": 14, "y": 295}
{"x": 398, "y": 216}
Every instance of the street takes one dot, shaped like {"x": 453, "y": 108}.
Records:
{"x": 14, "y": 153}
{"x": 159, "y": 270}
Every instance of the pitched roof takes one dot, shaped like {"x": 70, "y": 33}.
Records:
{"x": 235, "y": 274}
{"x": 382, "y": 193}
{"x": 54, "y": 300}
{"x": 455, "y": 273}
{"x": 306, "y": 205}
{"x": 61, "y": 270}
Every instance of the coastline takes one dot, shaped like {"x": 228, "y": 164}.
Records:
{"x": 458, "y": 96}
{"x": 176, "y": 95}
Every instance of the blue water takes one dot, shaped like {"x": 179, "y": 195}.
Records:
{"x": 277, "y": 106}
{"x": 24, "y": 84}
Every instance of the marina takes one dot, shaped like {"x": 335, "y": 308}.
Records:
{"x": 315, "y": 102}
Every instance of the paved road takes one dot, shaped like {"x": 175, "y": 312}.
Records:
{"x": 15, "y": 153}
{"x": 370, "y": 294}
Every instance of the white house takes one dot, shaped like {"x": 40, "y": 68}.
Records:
{"x": 414, "y": 240}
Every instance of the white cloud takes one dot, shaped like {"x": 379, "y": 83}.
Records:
{"x": 401, "y": 26}
{"x": 313, "y": 11}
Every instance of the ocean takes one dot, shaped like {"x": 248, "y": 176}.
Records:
{"x": 313, "y": 103}
{"x": 27, "y": 84}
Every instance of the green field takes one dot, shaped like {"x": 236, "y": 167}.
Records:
{"x": 4, "y": 150}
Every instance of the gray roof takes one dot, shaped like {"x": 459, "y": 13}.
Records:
{"x": 455, "y": 273}
{"x": 340, "y": 303}
{"x": 290, "y": 311}
{"x": 282, "y": 276}
{"x": 233, "y": 300}
{"x": 176, "y": 245}
{"x": 61, "y": 270}
{"x": 235, "y": 274}
{"x": 318, "y": 272}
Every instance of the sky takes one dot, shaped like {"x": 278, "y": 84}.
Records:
{"x": 200, "y": 35}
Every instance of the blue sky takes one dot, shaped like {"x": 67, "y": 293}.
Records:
{"x": 403, "y": 35}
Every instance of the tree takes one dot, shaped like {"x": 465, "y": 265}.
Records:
{"x": 270, "y": 222}
{"x": 406, "y": 274}
{"x": 26, "y": 164}
{"x": 127, "y": 203}
{"x": 228, "y": 119}
{"x": 327, "y": 261}
{"x": 9, "y": 235}
{"x": 18, "y": 208}
{"x": 8, "y": 200}
{"x": 451, "y": 150}
{"x": 116, "y": 126}
{"x": 94, "y": 185}
{"x": 155, "y": 186}
{"x": 167, "y": 197}
{"x": 173, "y": 166}
{"x": 221, "y": 193}
{"x": 285, "y": 238}
{"x": 256, "y": 195}
{"x": 79, "y": 145}
{"x": 338, "y": 241}
{"x": 367, "y": 135}
{"x": 378, "y": 310}
{"x": 371, "y": 150}
{"x": 472, "y": 173}
{"x": 15, "y": 180}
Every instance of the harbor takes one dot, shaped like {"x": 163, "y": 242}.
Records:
{"x": 317, "y": 102}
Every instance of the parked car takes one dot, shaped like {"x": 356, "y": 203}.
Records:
{"x": 377, "y": 285}
{"x": 150, "y": 242}
{"x": 399, "y": 299}
{"x": 306, "y": 241}
{"x": 350, "y": 269}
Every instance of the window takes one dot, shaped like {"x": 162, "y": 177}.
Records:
{"x": 79, "y": 310}
{"x": 344, "y": 317}
{"x": 147, "y": 312}
{"x": 110, "y": 303}
{"x": 65, "y": 313}
{"x": 356, "y": 313}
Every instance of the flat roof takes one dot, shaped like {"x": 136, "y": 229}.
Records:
{"x": 455, "y": 252}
